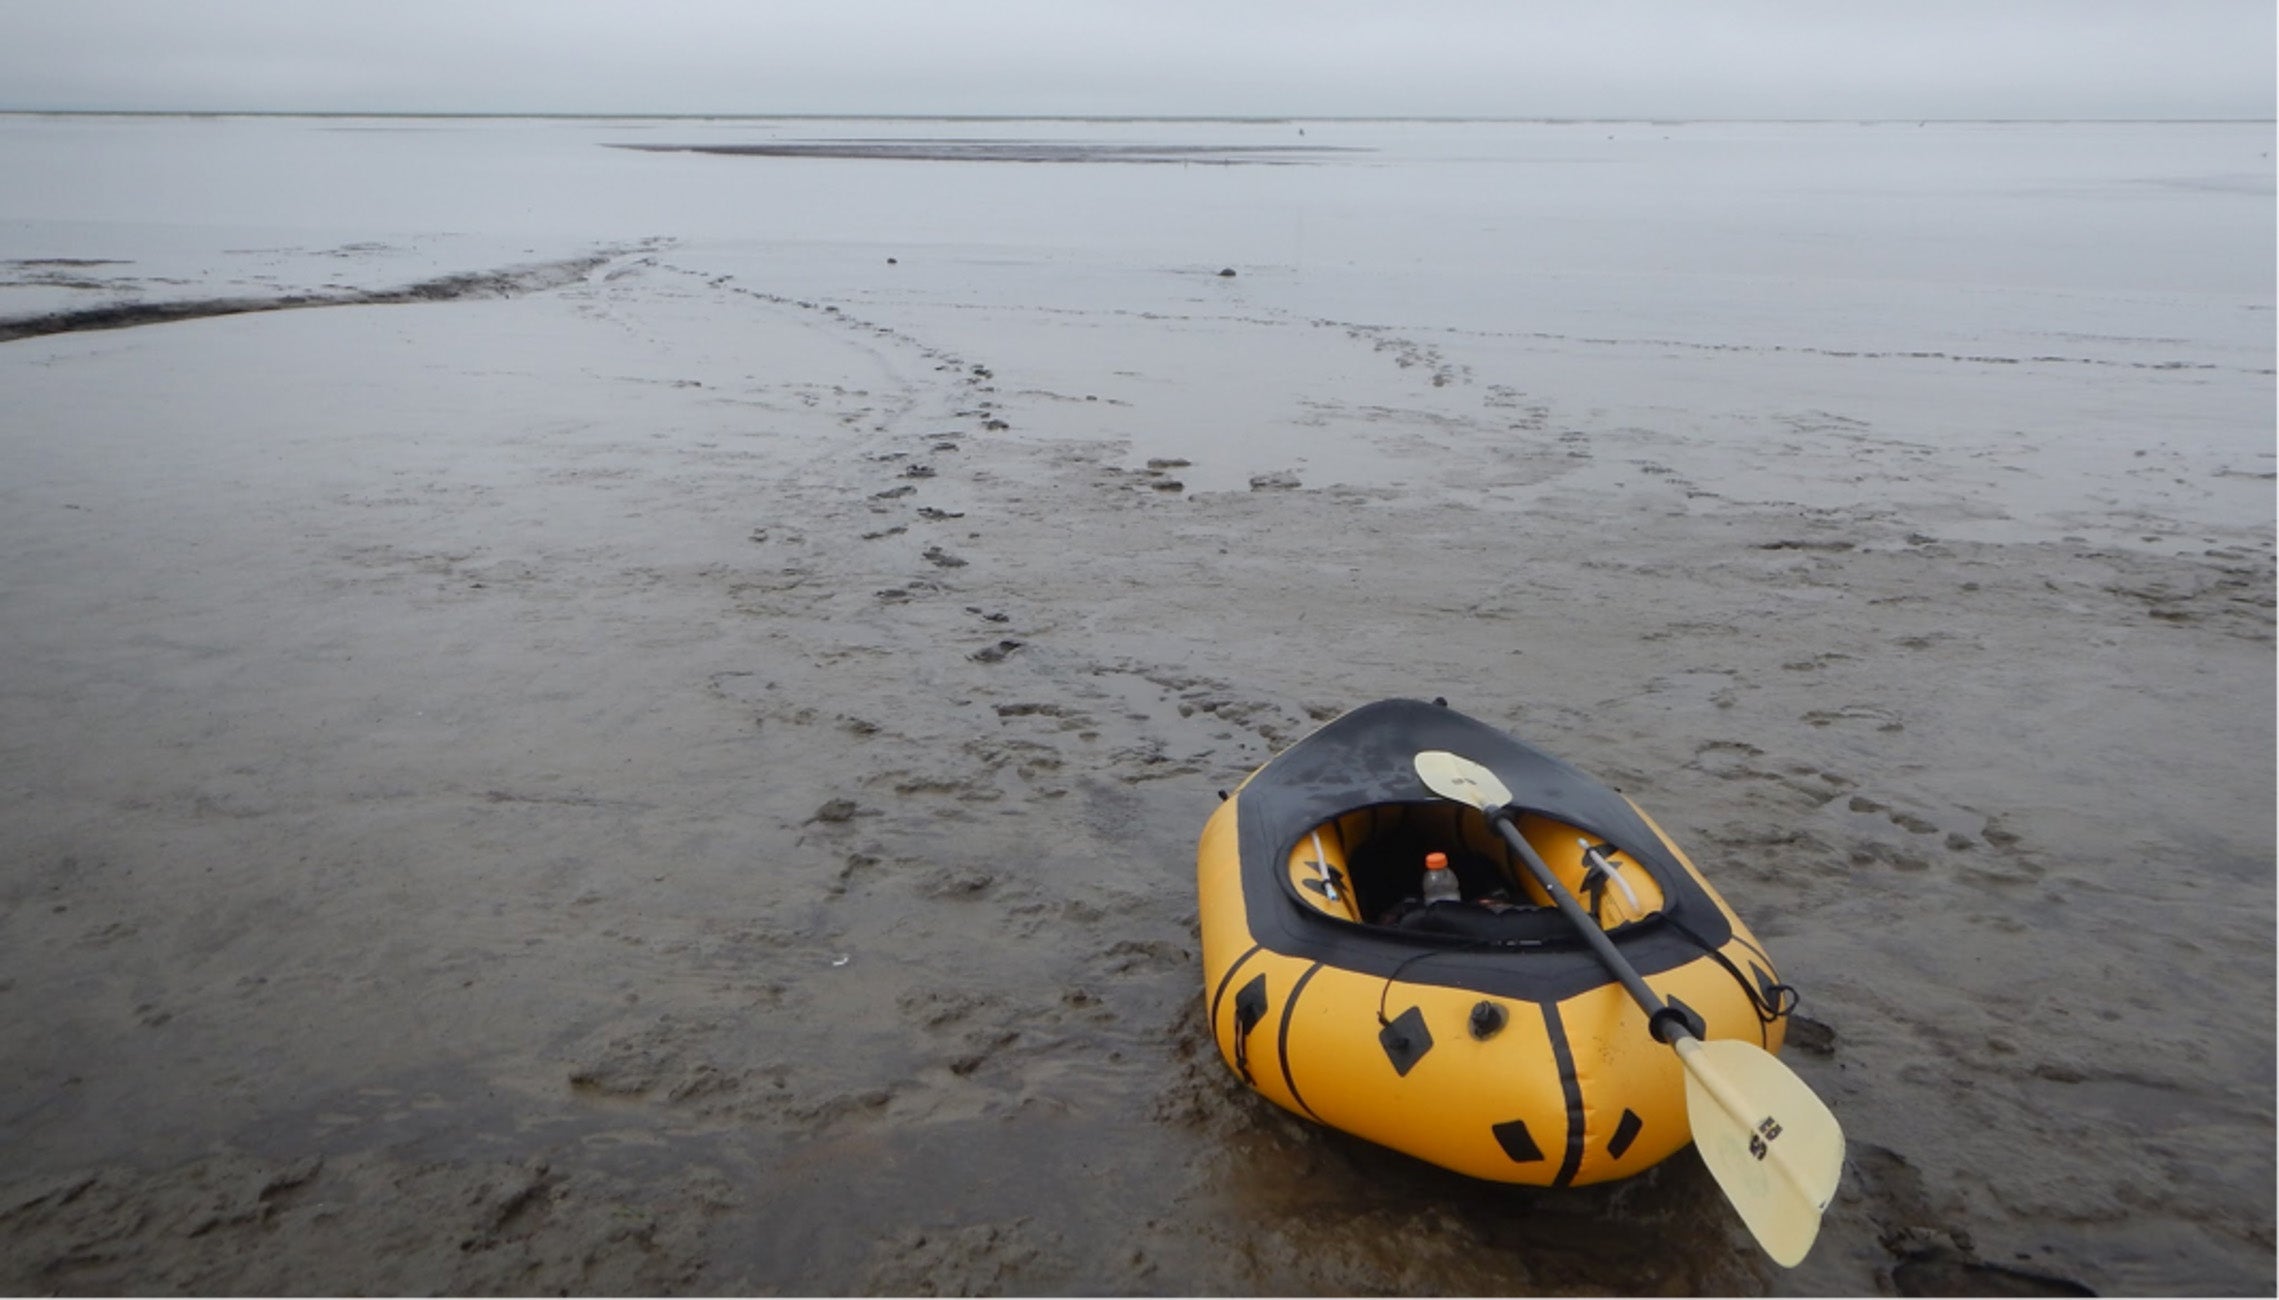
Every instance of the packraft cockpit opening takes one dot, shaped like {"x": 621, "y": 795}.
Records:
{"x": 1367, "y": 867}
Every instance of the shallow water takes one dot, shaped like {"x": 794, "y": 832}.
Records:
{"x": 681, "y": 773}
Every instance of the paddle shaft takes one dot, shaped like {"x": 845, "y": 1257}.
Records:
{"x": 1601, "y": 946}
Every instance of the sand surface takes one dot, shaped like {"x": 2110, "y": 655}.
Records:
{"x": 674, "y": 765}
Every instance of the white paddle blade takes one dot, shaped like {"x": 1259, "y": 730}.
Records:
{"x": 1770, "y": 1142}
{"x": 1452, "y": 776}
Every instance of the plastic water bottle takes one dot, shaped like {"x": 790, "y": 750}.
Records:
{"x": 1439, "y": 882}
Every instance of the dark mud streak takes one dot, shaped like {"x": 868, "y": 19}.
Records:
{"x": 504, "y": 283}
{"x": 1944, "y": 1272}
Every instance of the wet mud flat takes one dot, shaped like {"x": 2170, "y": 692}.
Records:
{"x": 662, "y": 784}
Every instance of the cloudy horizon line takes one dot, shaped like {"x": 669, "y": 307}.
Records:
{"x": 1449, "y": 60}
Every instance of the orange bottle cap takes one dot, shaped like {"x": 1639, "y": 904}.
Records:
{"x": 1436, "y": 862}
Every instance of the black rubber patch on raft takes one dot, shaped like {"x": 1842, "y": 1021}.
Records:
{"x": 1406, "y": 1040}
{"x": 1250, "y": 1005}
{"x": 1625, "y": 1133}
{"x": 1227, "y": 979}
{"x": 1249, "y": 1009}
{"x": 1517, "y": 1142}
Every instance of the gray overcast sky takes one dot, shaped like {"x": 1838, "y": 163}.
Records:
{"x": 1552, "y": 58}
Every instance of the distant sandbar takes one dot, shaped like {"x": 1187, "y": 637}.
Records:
{"x": 1024, "y": 151}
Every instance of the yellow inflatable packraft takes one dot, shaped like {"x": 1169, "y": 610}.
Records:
{"x": 1481, "y": 1035}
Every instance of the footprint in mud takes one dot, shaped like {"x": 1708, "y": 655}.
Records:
{"x": 954, "y": 883}
{"x": 695, "y": 1066}
{"x": 909, "y": 591}
{"x": 1800, "y": 786}
{"x": 1717, "y": 687}
{"x": 507, "y": 1205}
{"x": 979, "y": 1026}
{"x": 1136, "y": 764}
{"x": 1127, "y": 956}
{"x": 959, "y": 789}
{"x": 1028, "y": 759}
{"x": 839, "y": 811}
{"x": 2004, "y": 865}
{"x": 1870, "y": 853}
{"x": 1061, "y": 717}
{"x": 1271, "y": 723}
{"x": 657, "y": 1062}
{"x": 1906, "y": 821}
{"x": 1998, "y": 835}
{"x": 940, "y": 1008}
{"x": 1883, "y": 719}
{"x": 973, "y": 1259}
{"x": 851, "y": 868}
{"x": 981, "y": 1044}
{"x": 839, "y": 1106}
{"x": 1029, "y": 918}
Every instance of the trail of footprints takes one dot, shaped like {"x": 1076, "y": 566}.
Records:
{"x": 1063, "y": 722}
{"x": 976, "y": 1044}
{"x": 1815, "y": 818}
{"x": 901, "y": 513}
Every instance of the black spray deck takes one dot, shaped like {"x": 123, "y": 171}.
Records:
{"x": 1367, "y": 758}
